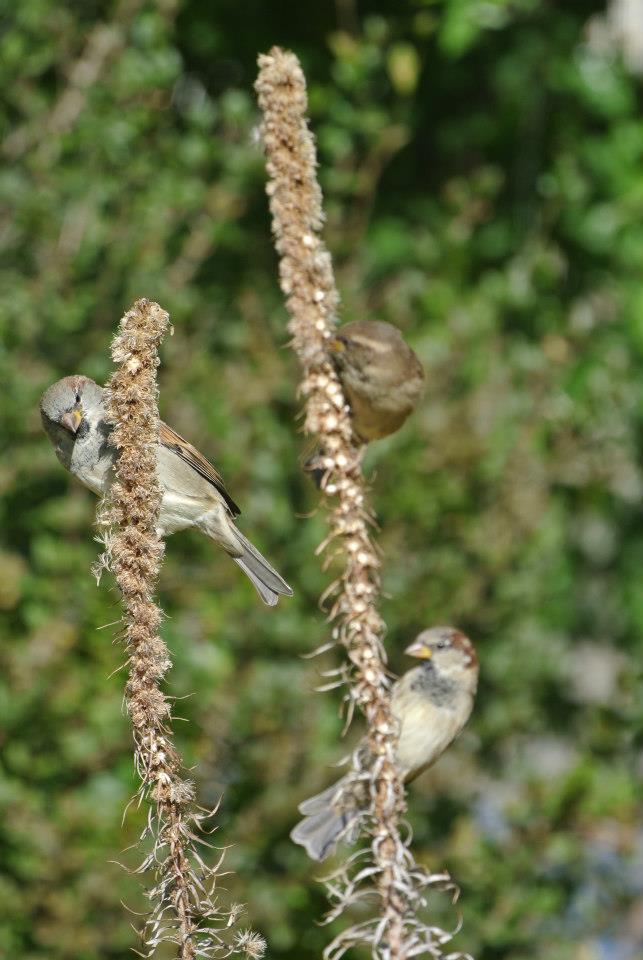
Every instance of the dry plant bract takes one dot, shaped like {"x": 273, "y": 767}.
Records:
{"x": 185, "y": 909}
{"x": 386, "y": 869}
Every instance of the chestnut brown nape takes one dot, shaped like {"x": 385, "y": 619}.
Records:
{"x": 460, "y": 641}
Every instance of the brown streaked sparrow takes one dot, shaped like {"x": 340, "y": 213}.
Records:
{"x": 382, "y": 377}
{"x": 431, "y": 703}
{"x": 194, "y": 495}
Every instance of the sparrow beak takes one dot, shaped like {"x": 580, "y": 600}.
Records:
{"x": 72, "y": 419}
{"x": 337, "y": 344}
{"x": 419, "y": 649}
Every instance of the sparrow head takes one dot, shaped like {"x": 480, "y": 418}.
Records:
{"x": 446, "y": 650}
{"x": 374, "y": 352}
{"x": 366, "y": 341}
{"x": 64, "y": 407}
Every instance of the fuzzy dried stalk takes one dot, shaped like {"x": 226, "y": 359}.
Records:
{"x": 387, "y": 869}
{"x": 184, "y": 908}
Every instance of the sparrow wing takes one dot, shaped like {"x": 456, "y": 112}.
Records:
{"x": 174, "y": 441}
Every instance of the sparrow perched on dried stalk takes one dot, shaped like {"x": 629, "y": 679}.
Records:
{"x": 194, "y": 495}
{"x": 382, "y": 377}
{"x": 431, "y": 703}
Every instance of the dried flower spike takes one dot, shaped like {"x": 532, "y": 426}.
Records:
{"x": 184, "y": 909}
{"x": 308, "y": 284}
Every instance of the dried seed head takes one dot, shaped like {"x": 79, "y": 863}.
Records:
{"x": 180, "y": 907}
{"x": 295, "y": 204}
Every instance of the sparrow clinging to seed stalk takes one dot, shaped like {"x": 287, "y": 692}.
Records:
{"x": 431, "y": 703}
{"x": 382, "y": 377}
{"x": 194, "y": 495}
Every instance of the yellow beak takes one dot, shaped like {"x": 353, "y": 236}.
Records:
{"x": 336, "y": 345}
{"x": 419, "y": 650}
{"x": 72, "y": 419}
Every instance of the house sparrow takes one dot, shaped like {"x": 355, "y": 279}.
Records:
{"x": 431, "y": 702}
{"x": 382, "y": 377}
{"x": 194, "y": 495}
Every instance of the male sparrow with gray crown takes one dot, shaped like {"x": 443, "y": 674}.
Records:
{"x": 431, "y": 703}
{"x": 74, "y": 417}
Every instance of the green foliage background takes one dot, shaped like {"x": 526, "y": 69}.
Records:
{"x": 482, "y": 165}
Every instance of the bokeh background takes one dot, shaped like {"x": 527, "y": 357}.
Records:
{"x": 482, "y": 164}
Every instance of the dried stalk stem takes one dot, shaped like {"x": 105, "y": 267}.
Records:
{"x": 307, "y": 281}
{"x": 184, "y": 909}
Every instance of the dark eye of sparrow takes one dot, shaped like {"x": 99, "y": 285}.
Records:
{"x": 441, "y": 644}
{"x": 78, "y": 396}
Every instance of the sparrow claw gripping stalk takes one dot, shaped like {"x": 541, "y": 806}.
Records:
{"x": 307, "y": 282}
{"x": 184, "y": 908}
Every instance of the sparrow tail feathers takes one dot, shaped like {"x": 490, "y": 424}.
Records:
{"x": 265, "y": 578}
{"x": 324, "y": 825}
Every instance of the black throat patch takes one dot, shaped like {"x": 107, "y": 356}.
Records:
{"x": 441, "y": 690}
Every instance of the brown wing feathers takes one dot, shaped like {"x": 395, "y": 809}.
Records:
{"x": 174, "y": 441}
